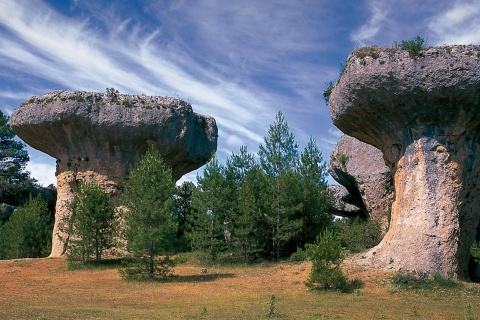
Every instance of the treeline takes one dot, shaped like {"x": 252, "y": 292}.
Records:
{"x": 25, "y": 232}
{"x": 264, "y": 205}
{"x": 267, "y": 205}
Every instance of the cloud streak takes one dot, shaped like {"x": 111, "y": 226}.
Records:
{"x": 239, "y": 62}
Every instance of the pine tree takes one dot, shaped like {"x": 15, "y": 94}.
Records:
{"x": 185, "y": 212}
{"x": 15, "y": 182}
{"x": 92, "y": 227}
{"x": 150, "y": 221}
{"x": 243, "y": 212}
{"x": 278, "y": 159}
{"x": 326, "y": 255}
{"x": 28, "y": 233}
{"x": 315, "y": 198}
{"x": 210, "y": 228}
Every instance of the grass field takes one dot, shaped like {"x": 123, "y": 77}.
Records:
{"x": 46, "y": 289}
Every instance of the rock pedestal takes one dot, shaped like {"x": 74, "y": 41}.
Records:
{"x": 100, "y": 136}
{"x": 422, "y": 112}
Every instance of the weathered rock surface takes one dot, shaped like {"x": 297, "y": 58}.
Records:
{"x": 423, "y": 113}
{"x": 6, "y": 211}
{"x": 360, "y": 168}
{"x": 101, "y": 135}
{"x": 341, "y": 203}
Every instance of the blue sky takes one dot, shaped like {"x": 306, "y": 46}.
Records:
{"x": 239, "y": 61}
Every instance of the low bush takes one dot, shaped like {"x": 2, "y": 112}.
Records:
{"x": 414, "y": 281}
{"x": 357, "y": 234}
{"x": 413, "y": 46}
{"x": 326, "y": 255}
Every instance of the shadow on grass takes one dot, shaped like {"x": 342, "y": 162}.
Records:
{"x": 98, "y": 265}
{"x": 198, "y": 277}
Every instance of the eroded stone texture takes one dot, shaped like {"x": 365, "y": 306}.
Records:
{"x": 423, "y": 113}
{"x": 101, "y": 135}
{"x": 360, "y": 168}
{"x": 340, "y": 205}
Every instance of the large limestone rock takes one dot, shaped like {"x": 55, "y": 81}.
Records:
{"x": 423, "y": 113}
{"x": 340, "y": 205}
{"x": 360, "y": 168}
{"x": 101, "y": 135}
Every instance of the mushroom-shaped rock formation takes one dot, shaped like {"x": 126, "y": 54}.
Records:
{"x": 422, "y": 112}
{"x": 360, "y": 168}
{"x": 101, "y": 135}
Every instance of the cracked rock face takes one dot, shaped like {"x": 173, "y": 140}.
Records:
{"x": 423, "y": 114}
{"x": 360, "y": 168}
{"x": 340, "y": 205}
{"x": 101, "y": 135}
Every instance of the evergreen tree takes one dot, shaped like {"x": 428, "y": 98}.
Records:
{"x": 15, "y": 182}
{"x": 210, "y": 229}
{"x": 243, "y": 212}
{"x": 185, "y": 212}
{"x": 150, "y": 219}
{"x": 326, "y": 255}
{"x": 92, "y": 226}
{"x": 28, "y": 233}
{"x": 279, "y": 157}
{"x": 315, "y": 199}
{"x": 279, "y": 154}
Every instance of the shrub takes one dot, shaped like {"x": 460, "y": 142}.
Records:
{"x": 372, "y": 51}
{"x": 475, "y": 251}
{"x": 357, "y": 234}
{"x": 415, "y": 281}
{"x": 412, "y": 46}
{"x": 328, "y": 90}
{"x": 140, "y": 269}
{"x": 299, "y": 255}
{"x": 326, "y": 254}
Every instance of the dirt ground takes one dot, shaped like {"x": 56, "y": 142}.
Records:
{"x": 46, "y": 289}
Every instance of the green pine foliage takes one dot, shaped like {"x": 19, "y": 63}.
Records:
{"x": 278, "y": 159}
{"x": 414, "y": 46}
{"x": 209, "y": 226}
{"x": 92, "y": 226}
{"x": 243, "y": 212}
{"x": 261, "y": 206}
{"x": 28, "y": 233}
{"x": 15, "y": 183}
{"x": 185, "y": 213}
{"x": 475, "y": 251}
{"x": 326, "y": 255}
{"x": 357, "y": 234}
{"x": 150, "y": 220}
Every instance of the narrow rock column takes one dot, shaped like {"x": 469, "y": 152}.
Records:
{"x": 69, "y": 175}
{"x": 424, "y": 233}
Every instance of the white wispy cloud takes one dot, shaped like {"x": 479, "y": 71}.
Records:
{"x": 460, "y": 24}
{"x": 240, "y": 62}
{"x": 68, "y": 52}
{"x": 378, "y": 12}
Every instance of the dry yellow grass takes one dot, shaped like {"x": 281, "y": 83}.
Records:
{"x": 45, "y": 289}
